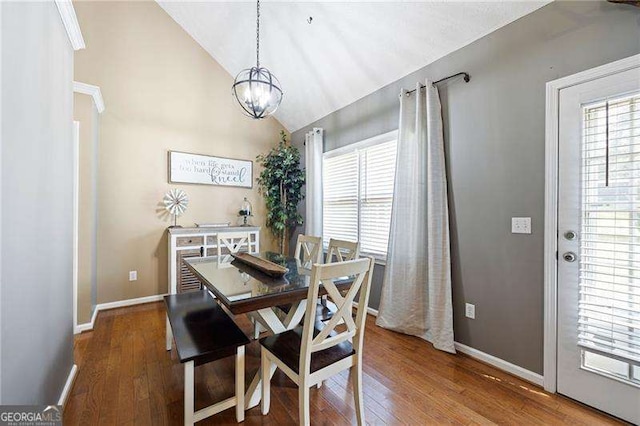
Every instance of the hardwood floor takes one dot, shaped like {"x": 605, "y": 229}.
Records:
{"x": 126, "y": 377}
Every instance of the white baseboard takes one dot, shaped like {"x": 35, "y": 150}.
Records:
{"x": 66, "y": 390}
{"x": 130, "y": 302}
{"x": 370, "y": 311}
{"x": 501, "y": 364}
{"x": 88, "y": 325}
{"x": 118, "y": 304}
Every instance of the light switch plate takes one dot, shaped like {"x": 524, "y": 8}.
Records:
{"x": 133, "y": 275}
{"x": 520, "y": 225}
{"x": 470, "y": 310}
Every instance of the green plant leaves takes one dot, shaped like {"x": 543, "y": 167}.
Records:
{"x": 280, "y": 183}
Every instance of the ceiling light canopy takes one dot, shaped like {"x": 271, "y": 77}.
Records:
{"x": 256, "y": 89}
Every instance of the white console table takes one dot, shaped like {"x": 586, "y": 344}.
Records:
{"x": 197, "y": 242}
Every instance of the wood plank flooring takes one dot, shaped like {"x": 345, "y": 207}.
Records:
{"x": 126, "y": 377}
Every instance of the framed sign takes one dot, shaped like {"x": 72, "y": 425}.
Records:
{"x": 209, "y": 170}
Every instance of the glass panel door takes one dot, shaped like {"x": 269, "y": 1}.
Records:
{"x": 599, "y": 244}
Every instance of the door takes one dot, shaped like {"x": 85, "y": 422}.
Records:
{"x": 598, "y": 357}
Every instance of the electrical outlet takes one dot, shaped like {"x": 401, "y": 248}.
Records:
{"x": 520, "y": 225}
{"x": 470, "y": 310}
{"x": 133, "y": 275}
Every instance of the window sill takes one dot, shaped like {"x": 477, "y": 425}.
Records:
{"x": 381, "y": 262}
{"x": 378, "y": 260}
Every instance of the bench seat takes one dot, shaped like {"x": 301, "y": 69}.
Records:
{"x": 203, "y": 332}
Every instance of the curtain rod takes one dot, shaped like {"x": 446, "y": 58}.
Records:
{"x": 466, "y": 75}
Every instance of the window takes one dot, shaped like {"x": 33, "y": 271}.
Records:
{"x": 358, "y": 193}
{"x": 609, "y": 306}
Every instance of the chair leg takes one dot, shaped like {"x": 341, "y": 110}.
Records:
{"x": 168, "y": 335}
{"x": 256, "y": 330}
{"x": 240, "y": 384}
{"x": 188, "y": 393}
{"x": 356, "y": 377}
{"x": 266, "y": 381}
{"x": 303, "y": 409}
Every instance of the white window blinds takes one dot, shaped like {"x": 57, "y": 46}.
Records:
{"x": 340, "y": 197}
{"x": 357, "y": 196}
{"x": 609, "y": 307}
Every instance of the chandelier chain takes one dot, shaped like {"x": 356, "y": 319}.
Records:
{"x": 258, "y": 33}
{"x": 256, "y": 90}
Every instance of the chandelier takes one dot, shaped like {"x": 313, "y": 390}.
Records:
{"x": 256, "y": 89}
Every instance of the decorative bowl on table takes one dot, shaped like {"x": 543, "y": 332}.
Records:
{"x": 265, "y": 266}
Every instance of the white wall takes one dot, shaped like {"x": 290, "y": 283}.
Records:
{"x": 36, "y": 190}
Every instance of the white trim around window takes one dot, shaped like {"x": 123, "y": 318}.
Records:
{"x": 385, "y": 137}
{"x": 356, "y": 193}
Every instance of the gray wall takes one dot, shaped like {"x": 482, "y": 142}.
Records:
{"x": 36, "y": 185}
{"x": 494, "y": 132}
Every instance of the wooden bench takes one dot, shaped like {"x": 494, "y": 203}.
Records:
{"x": 203, "y": 332}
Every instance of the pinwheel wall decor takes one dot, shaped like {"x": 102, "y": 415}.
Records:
{"x": 176, "y": 202}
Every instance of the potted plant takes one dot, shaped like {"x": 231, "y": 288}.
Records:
{"x": 281, "y": 182}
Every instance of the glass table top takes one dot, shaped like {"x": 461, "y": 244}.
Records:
{"x": 243, "y": 289}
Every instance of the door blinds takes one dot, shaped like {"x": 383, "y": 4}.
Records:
{"x": 609, "y": 306}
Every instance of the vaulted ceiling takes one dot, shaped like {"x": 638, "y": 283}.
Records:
{"x": 349, "y": 49}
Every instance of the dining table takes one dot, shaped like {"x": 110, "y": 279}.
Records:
{"x": 242, "y": 289}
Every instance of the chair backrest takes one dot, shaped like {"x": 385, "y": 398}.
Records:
{"x": 361, "y": 270}
{"x": 232, "y": 243}
{"x": 342, "y": 250}
{"x": 308, "y": 251}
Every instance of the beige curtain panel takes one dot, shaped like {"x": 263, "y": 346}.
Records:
{"x": 416, "y": 295}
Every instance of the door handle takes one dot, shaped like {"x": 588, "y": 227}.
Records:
{"x": 569, "y": 256}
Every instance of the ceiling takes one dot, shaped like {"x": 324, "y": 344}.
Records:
{"x": 349, "y": 50}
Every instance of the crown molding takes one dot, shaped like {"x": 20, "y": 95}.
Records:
{"x": 70, "y": 21}
{"x": 91, "y": 90}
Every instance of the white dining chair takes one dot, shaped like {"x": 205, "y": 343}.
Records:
{"x": 308, "y": 251}
{"x": 308, "y": 355}
{"x": 342, "y": 250}
{"x": 338, "y": 251}
{"x": 229, "y": 243}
